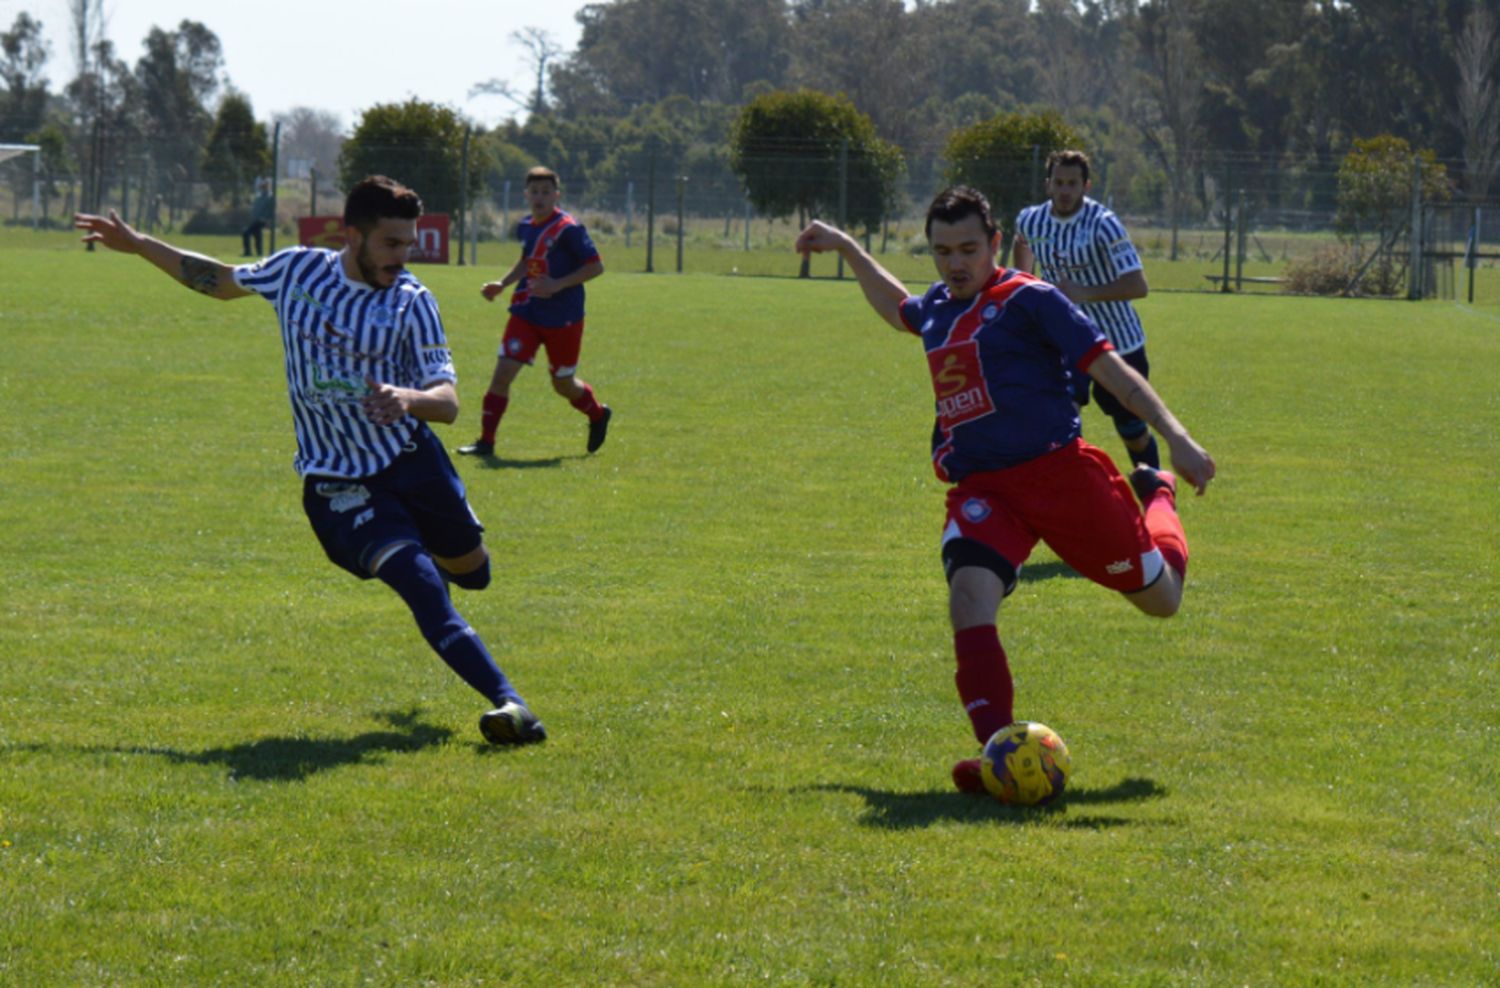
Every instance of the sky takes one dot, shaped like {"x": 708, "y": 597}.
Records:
{"x": 334, "y": 55}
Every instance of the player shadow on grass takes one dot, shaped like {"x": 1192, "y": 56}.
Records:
{"x": 291, "y": 759}
{"x": 512, "y": 463}
{"x": 912, "y": 810}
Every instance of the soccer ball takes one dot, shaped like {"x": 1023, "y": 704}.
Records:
{"x": 1025, "y": 764}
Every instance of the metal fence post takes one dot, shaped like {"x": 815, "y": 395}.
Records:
{"x": 681, "y": 218}
{"x": 275, "y": 174}
{"x": 1414, "y": 257}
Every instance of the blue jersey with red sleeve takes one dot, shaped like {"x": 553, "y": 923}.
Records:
{"x": 1003, "y": 366}
{"x": 555, "y": 247}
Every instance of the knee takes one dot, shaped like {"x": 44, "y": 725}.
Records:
{"x": 474, "y": 579}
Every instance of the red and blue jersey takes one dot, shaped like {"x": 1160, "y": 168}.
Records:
{"x": 1004, "y": 365}
{"x": 555, "y": 247}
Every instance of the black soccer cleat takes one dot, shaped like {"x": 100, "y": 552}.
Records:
{"x": 477, "y": 448}
{"x": 511, "y": 723}
{"x": 1146, "y": 481}
{"x": 598, "y": 430}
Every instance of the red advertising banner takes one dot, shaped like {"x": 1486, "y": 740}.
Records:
{"x": 328, "y": 231}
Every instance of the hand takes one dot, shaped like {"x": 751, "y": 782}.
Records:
{"x": 820, "y": 237}
{"x": 384, "y": 404}
{"x": 543, "y": 287}
{"x": 110, "y": 231}
{"x": 1192, "y": 463}
{"x": 492, "y": 289}
{"x": 1071, "y": 288}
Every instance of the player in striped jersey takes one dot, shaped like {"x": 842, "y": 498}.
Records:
{"x": 1081, "y": 247}
{"x": 1002, "y": 348}
{"x": 546, "y": 311}
{"x": 367, "y": 367}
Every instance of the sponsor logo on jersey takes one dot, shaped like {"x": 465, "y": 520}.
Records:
{"x": 328, "y": 388}
{"x": 958, "y": 381}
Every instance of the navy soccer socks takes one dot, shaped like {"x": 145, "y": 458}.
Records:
{"x": 415, "y": 577}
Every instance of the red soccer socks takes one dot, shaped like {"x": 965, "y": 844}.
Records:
{"x": 983, "y": 680}
{"x": 1165, "y": 527}
{"x": 489, "y": 419}
{"x": 588, "y": 404}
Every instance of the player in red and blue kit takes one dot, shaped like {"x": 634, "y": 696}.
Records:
{"x": 1003, "y": 349}
{"x": 546, "y": 311}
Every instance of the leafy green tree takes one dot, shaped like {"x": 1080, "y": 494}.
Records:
{"x": 637, "y": 52}
{"x": 1375, "y": 187}
{"x": 1004, "y": 158}
{"x": 175, "y": 82}
{"x": 786, "y": 148}
{"x": 419, "y": 144}
{"x": 238, "y": 149}
{"x": 23, "y": 57}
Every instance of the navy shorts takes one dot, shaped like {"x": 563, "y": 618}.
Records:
{"x": 418, "y": 498}
{"x": 1126, "y": 421}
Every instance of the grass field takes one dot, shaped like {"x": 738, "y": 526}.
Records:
{"x": 222, "y": 761}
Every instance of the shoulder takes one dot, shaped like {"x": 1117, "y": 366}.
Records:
{"x": 1030, "y": 213}
{"x": 1104, "y": 217}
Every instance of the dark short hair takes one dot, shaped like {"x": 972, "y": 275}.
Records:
{"x": 376, "y": 198}
{"x": 1068, "y": 159}
{"x": 542, "y": 174}
{"x": 957, "y": 202}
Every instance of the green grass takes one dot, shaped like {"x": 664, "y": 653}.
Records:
{"x": 222, "y": 761}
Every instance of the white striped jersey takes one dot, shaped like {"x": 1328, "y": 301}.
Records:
{"x": 1090, "y": 247}
{"x": 335, "y": 332}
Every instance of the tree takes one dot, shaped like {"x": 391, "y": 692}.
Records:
{"x": 851, "y": 47}
{"x": 176, "y": 80}
{"x": 1477, "y": 53}
{"x": 636, "y": 52}
{"x": 541, "y": 50}
{"x": 1375, "y": 188}
{"x": 238, "y": 149}
{"x": 24, "y": 102}
{"x": 1004, "y": 157}
{"x": 313, "y": 136}
{"x": 1165, "y": 104}
{"x": 787, "y": 148}
{"x": 416, "y": 143}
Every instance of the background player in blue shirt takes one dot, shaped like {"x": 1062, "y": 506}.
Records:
{"x": 367, "y": 368}
{"x": 1081, "y": 246}
{"x": 546, "y": 311}
{"x": 1002, "y": 348}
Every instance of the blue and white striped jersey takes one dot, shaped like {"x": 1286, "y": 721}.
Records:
{"x": 1090, "y": 247}
{"x": 336, "y": 332}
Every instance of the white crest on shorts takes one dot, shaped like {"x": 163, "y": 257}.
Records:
{"x": 1123, "y": 566}
{"x": 976, "y": 509}
{"x": 344, "y": 497}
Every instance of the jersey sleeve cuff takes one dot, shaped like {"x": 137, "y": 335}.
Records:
{"x": 1093, "y": 354}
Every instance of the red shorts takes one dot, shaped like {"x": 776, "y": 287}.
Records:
{"x": 522, "y": 339}
{"x": 1074, "y": 500}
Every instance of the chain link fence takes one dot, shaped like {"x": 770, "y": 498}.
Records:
{"x": 1229, "y": 221}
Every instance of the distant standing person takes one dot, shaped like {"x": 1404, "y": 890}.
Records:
{"x": 262, "y": 215}
{"x": 546, "y": 311}
{"x": 367, "y": 367}
{"x": 1079, "y": 245}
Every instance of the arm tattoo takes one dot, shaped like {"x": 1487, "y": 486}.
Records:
{"x": 200, "y": 274}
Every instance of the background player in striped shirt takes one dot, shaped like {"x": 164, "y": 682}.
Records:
{"x": 546, "y": 311}
{"x": 367, "y": 367}
{"x": 1002, "y": 348}
{"x": 1081, "y": 247}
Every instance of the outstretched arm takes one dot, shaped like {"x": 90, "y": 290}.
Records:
{"x": 386, "y": 404}
{"x": 883, "y": 290}
{"x": 198, "y": 272}
{"x": 1189, "y": 459}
